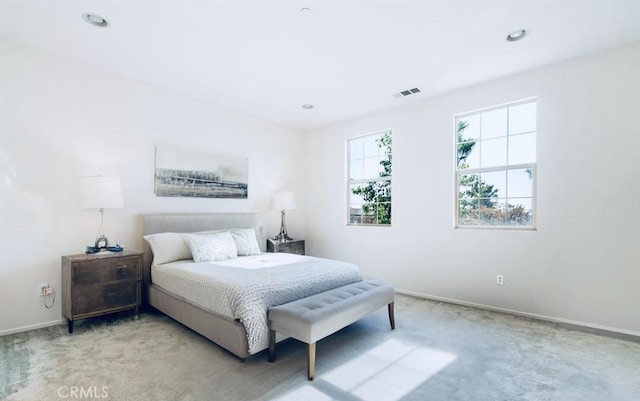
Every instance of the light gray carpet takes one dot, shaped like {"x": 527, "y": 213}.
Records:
{"x": 438, "y": 352}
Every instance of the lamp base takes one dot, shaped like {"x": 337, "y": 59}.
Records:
{"x": 102, "y": 244}
{"x": 282, "y": 237}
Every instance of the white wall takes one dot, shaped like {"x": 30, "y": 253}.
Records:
{"x": 60, "y": 120}
{"x": 580, "y": 265}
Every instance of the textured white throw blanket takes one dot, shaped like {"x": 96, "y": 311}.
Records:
{"x": 246, "y": 294}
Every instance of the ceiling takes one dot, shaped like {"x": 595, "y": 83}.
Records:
{"x": 346, "y": 57}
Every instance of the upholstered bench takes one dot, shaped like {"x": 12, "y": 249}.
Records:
{"x": 314, "y": 318}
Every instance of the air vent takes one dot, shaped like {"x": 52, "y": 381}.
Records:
{"x": 407, "y": 92}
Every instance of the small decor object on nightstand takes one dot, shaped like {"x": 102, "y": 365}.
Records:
{"x": 101, "y": 192}
{"x": 100, "y": 283}
{"x": 283, "y": 201}
{"x": 294, "y": 246}
{"x": 94, "y": 249}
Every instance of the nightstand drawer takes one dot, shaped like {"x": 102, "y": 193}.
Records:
{"x": 101, "y": 297}
{"x": 100, "y": 271}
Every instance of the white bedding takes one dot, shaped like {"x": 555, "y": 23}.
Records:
{"x": 262, "y": 260}
{"x": 244, "y": 288}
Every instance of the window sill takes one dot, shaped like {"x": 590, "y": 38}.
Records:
{"x": 509, "y": 228}
{"x": 368, "y": 225}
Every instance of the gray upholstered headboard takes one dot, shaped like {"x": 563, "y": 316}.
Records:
{"x": 188, "y": 223}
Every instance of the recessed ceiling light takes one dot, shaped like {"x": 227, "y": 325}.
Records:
{"x": 305, "y": 10}
{"x": 307, "y": 106}
{"x": 516, "y": 35}
{"x": 95, "y": 19}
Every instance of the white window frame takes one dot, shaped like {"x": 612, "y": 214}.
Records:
{"x": 506, "y": 168}
{"x": 350, "y": 182}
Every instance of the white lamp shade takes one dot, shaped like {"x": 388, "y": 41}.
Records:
{"x": 283, "y": 201}
{"x": 101, "y": 192}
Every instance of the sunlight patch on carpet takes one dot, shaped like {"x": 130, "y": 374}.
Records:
{"x": 389, "y": 371}
{"x": 306, "y": 393}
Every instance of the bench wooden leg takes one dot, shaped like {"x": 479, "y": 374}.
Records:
{"x": 311, "y": 361}
{"x": 392, "y": 318}
{"x": 272, "y": 345}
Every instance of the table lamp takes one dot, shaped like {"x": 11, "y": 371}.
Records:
{"x": 283, "y": 201}
{"x": 101, "y": 192}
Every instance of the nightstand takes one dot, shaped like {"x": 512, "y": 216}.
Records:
{"x": 295, "y": 246}
{"x": 100, "y": 283}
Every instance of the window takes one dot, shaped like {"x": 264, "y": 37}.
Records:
{"x": 369, "y": 183}
{"x": 496, "y": 166}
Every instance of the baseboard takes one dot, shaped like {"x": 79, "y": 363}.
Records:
{"x": 612, "y": 332}
{"x": 31, "y": 327}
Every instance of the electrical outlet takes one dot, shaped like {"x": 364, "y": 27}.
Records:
{"x": 44, "y": 289}
{"x": 500, "y": 279}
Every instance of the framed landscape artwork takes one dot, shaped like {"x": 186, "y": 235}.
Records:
{"x": 189, "y": 173}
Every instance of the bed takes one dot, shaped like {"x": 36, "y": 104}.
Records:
{"x": 226, "y": 301}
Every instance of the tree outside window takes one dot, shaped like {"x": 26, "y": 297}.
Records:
{"x": 495, "y": 166}
{"x": 369, "y": 186}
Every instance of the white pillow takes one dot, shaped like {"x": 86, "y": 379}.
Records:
{"x": 246, "y": 241}
{"x": 167, "y": 247}
{"x": 211, "y": 248}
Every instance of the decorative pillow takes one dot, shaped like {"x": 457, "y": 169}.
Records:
{"x": 246, "y": 241}
{"x": 211, "y": 248}
{"x": 167, "y": 247}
